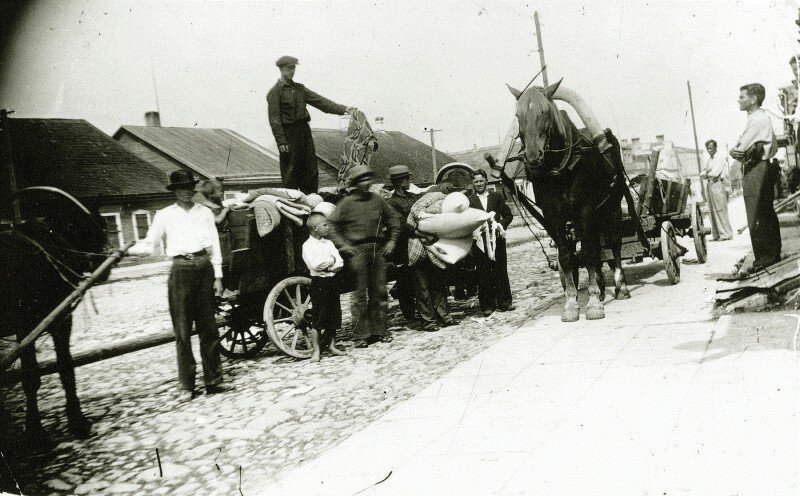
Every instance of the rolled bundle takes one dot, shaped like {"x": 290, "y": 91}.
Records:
{"x": 312, "y": 200}
{"x": 295, "y": 207}
{"x": 286, "y": 193}
{"x": 451, "y": 251}
{"x": 267, "y": 216}
{"x": 454, "y": 225}
{"x": 455, "y": 202}
{"x": 324, "y": 208}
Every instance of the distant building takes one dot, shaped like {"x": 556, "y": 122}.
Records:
{"x": 394, "y": 148}
{"x": 75, "y": 156}
{"x": 219, "y": 153}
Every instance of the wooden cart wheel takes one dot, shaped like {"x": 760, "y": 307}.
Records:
{"x": 670, "y": 252}
{"x": 699, "y": 233}
{"x": 239, "y": 337}
{"x": 284, "y": 310}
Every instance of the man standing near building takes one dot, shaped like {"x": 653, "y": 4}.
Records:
{"x": 494, "y": 288}
{"x": 288, "y": 118}
{"x": 194, "y": 279}
{"x": 366, "y": 228}
{"x": 716, "y": 173}
{"x": 401, "y": 201}
{"x": 754, "y": 149}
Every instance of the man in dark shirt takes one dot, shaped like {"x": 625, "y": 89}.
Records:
{"x": 288, "y": 118}
{"x": 365, "y": 228}
{"x": 401, "y": 201}
{"x": 494, "y": 288}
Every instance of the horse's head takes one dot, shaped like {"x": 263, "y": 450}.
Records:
{"x": 540, "y": 123}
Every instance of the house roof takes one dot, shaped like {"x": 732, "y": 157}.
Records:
{"x": 75, "y": 156}
{"x": 394, "y": 148}
{"x": 474, "y": 157}
{"x": 209, "y": 152}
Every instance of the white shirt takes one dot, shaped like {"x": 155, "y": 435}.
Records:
{"x": 717, "y": 166}
{"x": 759, "y": 128}
{"x": 484, "y": 198}
{"x": 185, "y": 231}
{"x": 321, "y": 257}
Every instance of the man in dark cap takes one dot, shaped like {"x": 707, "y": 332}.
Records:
{"x": 288, "y": 118}
{"x": 196, "y": 276}
{"x": 365, "y": 228}
{"x": 401, "y": 201}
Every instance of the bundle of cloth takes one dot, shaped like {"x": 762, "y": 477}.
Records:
{"x": 451, "y": 219}
{"x": 272, "y": 204}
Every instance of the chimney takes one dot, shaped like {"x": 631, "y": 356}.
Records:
{"x": 659, "y": 138}
{"x": 152, "y": 119}
{"x": 624, "y": 142}
{"x": 634, "y": 140}
{"x": 379, "y": 124}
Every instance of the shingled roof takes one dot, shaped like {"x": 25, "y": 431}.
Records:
{"x": 394, "y": 148}
{"x": 209, "y": 152}
{"x": 75, "y": 156}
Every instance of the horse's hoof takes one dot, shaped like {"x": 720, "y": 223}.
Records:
{"x": 570, "y": 314}
{"x": 595, "y": 312}
{"x": 80, "y": 427}
{"x": 622, "y": 294}
{"x": 36, "y": 439}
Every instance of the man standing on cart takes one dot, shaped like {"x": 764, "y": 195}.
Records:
{"x": 366, "y": 229}
{"x": 289, "y": 118}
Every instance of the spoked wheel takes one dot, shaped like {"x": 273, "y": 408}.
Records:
{"x": 699, "y": 232}
{"x": 284, "y": 314}
{"x": 670, "y": 252}
{"x": 239, "y": 336}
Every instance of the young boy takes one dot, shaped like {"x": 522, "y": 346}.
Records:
{"x": 324, "y": 262}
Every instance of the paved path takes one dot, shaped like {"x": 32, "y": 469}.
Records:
{"x": 658, "y": 399}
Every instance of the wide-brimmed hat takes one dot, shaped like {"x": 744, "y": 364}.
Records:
{"x": 399, "y": 171}
{"x": 181, "y": 179}
{"x": 357, "y": 172}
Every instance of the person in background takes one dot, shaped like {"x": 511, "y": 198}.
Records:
{"x": 716, "y": 173}
{"x": 366, "y": 228}
{"x": 288, "y": 118}
{"x": 212, "y": 192}
{"x": 401, "y": 201}
{"x": 194, "y": 279}
{"x": 324, "y": 262}
{"x": 755, "y": 147}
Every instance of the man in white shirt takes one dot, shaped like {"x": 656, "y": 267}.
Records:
{"x": 716, "y": 173}
{"x": 196, "y": 276}
{"x": 754, "y": 149}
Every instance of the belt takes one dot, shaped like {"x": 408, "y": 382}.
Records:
{"x": 371, "y": 239}
{"x": 190, "y": 256}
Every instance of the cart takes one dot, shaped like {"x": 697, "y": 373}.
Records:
{"x": 665, "y": 212}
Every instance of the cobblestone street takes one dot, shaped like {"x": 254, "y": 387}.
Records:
{"x": 282, "y": 411}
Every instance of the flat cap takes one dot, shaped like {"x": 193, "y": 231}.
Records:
{"x": 286, "y": 60}
{"x": 398, "y": 171}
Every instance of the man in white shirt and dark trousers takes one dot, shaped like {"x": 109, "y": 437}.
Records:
{"x": 716, "y": 173}
{"x": 196, "y": 276}
{"x": 324, "y": 262}
{"x": 754, "y": 149}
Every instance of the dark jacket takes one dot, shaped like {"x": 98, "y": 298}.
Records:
{"x": 362, "y": 219}
{"x": 496, "y": 204}
{"x": 286, "y": 104}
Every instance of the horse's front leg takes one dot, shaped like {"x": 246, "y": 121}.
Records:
{"x": 566, "y": 264}
{"x": 77, "y": 423}
{"x": 591, "y": 249}
{"x": 35, "y": 435}
{"x": 621, "y": 291}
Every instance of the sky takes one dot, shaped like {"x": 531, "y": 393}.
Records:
{"x": 417, "y": 64}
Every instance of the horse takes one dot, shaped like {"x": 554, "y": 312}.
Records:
{"x": 42, "y": 258}
{"x": 580, "y": 198}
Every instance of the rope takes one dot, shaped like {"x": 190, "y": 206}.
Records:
{"x": 55, "y": 262}
{"x": 523, "y": 214}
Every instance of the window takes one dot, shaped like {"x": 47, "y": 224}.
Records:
{"x": 141, "y": 224}
{"x": 114, "y": 227}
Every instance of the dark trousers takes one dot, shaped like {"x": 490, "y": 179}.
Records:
{"x": 404, "y": 288}
{"x": 765, "y": 232}
{"x": 191, "y": 300}
{"x": 431, "y": 292}
{"x": 327, "y": 309}
{"x": 494, "y": 288}
{"x": 368, "y": 302}
{"x": 299, "y": 166}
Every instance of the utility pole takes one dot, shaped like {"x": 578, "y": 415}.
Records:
{"x": 696, "y": 143}
{"x": 7, "y": 173}
{"x": 541, "y": 48}
{"x": 433, "y": 150}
